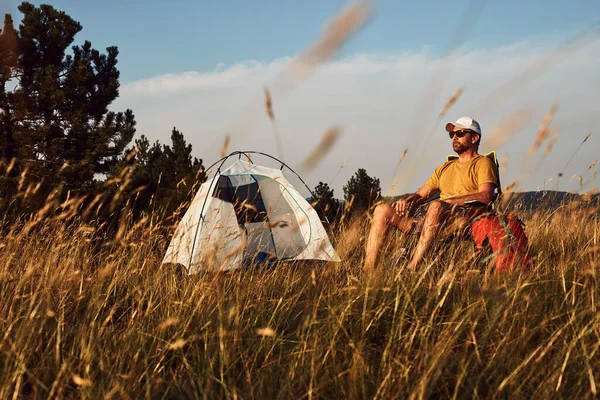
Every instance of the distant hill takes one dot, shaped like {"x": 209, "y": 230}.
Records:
{"x": 550, "y": 199}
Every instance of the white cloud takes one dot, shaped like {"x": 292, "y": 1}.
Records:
{"x": 376, "y": 99}
{"x": 191, "y": 81}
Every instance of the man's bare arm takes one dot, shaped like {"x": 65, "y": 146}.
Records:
{"x": 485, "y": 196}
{"x": 412, "y": 200}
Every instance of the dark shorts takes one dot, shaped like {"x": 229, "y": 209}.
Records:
{"x": 458, "y": 217}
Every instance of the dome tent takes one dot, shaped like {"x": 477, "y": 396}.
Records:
{"x": 247, "y": 212}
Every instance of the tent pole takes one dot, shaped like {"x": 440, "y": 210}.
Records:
{"x": 222, "y": 161}
{"x": 204, "y": 203}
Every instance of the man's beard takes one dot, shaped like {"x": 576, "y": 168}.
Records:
{"x": 459, "y": 147}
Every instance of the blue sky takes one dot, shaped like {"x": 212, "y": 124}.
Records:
{"x": 158, "y": 36}
{"x": 202, "y": 66}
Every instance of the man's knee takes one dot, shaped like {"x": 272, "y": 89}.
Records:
{"x": 436, "y": 207}
{"x": 383, "y": 213}
{"x": 436, "y": 211}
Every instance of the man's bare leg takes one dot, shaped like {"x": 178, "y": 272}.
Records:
{"x": 437, "y": 213}
{"x": 384, "y": 216}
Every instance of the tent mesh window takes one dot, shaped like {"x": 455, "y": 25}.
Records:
{"x": 245, "y": 198}
{"x": 253, "y": 214}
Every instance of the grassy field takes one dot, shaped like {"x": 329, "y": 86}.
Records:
{"x": 80, "y": 319}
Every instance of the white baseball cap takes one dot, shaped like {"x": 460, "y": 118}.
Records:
{"x": 465, "y": 123}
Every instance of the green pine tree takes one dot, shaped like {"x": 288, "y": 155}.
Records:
{"x": 325, "y": 203}
{"x": 54, "y": 99}
{"x": 163, "y": 177}
{"x": 362, "y": 191}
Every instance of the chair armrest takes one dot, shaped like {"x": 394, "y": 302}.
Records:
{"x": 475, "y": 203}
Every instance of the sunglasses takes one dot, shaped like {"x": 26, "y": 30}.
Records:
{"x": 458, "y": 133}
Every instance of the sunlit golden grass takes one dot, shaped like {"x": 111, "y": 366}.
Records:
{"x": 82, "y": 318}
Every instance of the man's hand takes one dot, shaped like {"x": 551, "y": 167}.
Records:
{"x": 401, "y": 206}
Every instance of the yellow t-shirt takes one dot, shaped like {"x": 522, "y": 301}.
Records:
{"x": 454, "y": 179}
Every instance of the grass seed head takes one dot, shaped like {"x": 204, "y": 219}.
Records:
{"x": 225, "y": 146}
{"x": 10, "y": 166}
{"x": 325, "y": 145}
{"x": 269, "y": 104}
{"x": 266, "y": 332}
{"x": 177, "y": 344}
{"x": 544, "y": 130}
{"x": 451, "y": 102}
{"x": 511, "y": 124}
{"x": 79, "y": 381}
{"x": 551, "y": 143}
{"x": 336, "y": 32}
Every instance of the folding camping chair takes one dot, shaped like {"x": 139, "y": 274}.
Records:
{"x": 502, "y": 231}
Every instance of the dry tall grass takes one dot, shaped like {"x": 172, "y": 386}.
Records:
{"x": 81, "y": 319}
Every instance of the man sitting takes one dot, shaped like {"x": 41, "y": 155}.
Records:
{"x": 469, "y": 178}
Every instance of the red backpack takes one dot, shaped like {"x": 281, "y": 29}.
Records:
{"x": 505, "y": 234}
{"x": 503, "y": 231}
